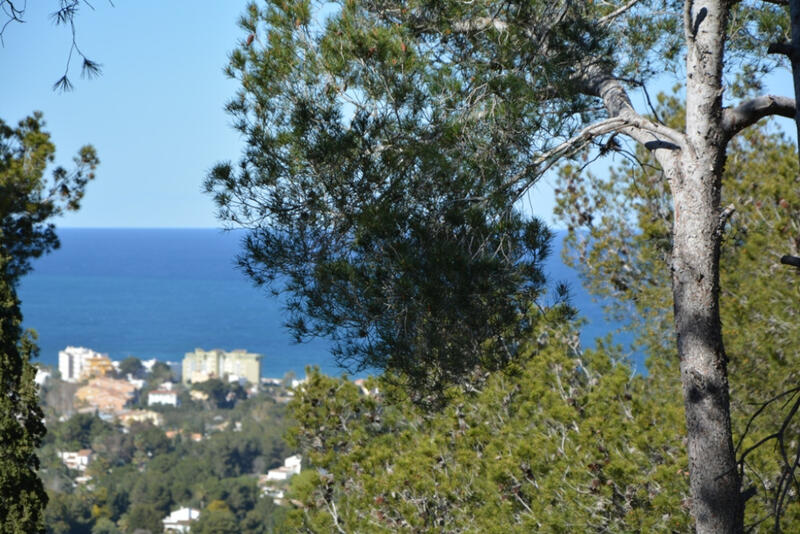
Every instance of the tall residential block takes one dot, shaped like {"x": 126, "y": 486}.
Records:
{"x": 77, "y": 363}
{"x": 200, "y": 365}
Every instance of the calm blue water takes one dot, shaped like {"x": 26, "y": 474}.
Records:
{"x": 160, "y": 293}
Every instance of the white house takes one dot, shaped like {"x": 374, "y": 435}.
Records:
{"x": 293, "y": 462}
{"x": 162, "y": 396}
{"x": 291, "y": 467}
{"x": 42, "y": 376}
{"x": 138, "y": 383}
{"x": 180, "y": 520}
{"x": 76, "y": 460}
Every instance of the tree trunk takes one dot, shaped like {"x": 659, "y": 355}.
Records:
{"x": 794, "y": 57}
{"x": 714, "y": 479}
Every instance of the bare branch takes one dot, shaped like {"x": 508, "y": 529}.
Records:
{"x": 617, "y": 103}
{"x": 480, "y": 24}
{"x": 13, "y": 13}
{"x": 616, "y": 13}
{"x": 650, "y": 134}
{"x": 580, "y": 140}
{"x": 751, "y": 111}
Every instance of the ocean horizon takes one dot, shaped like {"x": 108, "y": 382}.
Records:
{"x": 162, "y": 292}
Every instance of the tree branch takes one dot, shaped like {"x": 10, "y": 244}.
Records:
{"x": 607, "y": 19}
{"x": 480, "y": 24}
{"x": 751, "y": 111}
{"x": 615, "y": 98}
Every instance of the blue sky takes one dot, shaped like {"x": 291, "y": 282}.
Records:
{"x": 156, "y": 114}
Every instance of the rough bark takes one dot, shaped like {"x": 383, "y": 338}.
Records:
{"x": 693, "y": 163}
{"x": 714, "y": 480}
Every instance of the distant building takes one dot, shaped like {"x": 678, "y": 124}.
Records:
{"x": 202, "y": 365}
{"x": 76, "y": 460}
{"x": 162, "y": 396}
{"x": 138, "y": 383}
{"x": 362, "y": 385}
{"x": 97, "y": 366}
{"x": 83, "y": 479}
{"x": 180, "y": 520}
{"x": 297, "y": 382}
{"x": 198, "y": 395}
{"x": 106, "y": 394}
{"x": 290, "y": 467}
{"x": 75, "y": 363}
{"x": 42, "y": 376}
{"x": 268, "y": 489}
{"x": 148, "y": 364}
{"x": 272, "y": 381}
{"x": 127, "y": 418}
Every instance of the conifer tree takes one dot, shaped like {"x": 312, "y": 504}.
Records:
{"x": 563, "y": 440}
{"x": 620, "y": 239}
{"x": 361, "y": 115}
{"x": 27, "y": 201}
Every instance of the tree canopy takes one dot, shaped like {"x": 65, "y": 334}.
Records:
{"x": 384, "y": 220}
{"x": 372, "y": 126}
{"x": 27, "y": 201}
{"x": 568, "y": 440}
{"x": 620, "y": 241}
{"x": 30, "y": 199}
{"x": 564, "y": 440}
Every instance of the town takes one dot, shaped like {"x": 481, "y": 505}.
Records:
{"x": 109, "y": 416}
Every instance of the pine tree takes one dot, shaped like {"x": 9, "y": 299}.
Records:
{"x": 620, "y": 239}
{"x": 564, "y": 440}
{"x": 362, "y": 115}
{"x": 27, "y": 201}
{"x": 21, "y": 427}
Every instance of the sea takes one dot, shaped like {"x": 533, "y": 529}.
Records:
{"x": 160, "y": 293}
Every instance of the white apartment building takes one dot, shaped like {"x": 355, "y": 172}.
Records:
{"x": 72, "y": 362}
{"x": 236, "y": 365}
{"x": 162, "y": 396}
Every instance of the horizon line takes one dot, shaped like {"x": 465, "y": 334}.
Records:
{"x": 219, "y": 228}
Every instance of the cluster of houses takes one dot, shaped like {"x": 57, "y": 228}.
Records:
{"x": 103, "y": 393}
{"x": 180, "y": 520}
{"x": 100, "y": 392}
{"x": 108, "y": 396}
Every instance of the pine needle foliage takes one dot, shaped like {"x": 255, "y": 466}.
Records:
{"x": 27, "y": 201}
{"x": 564, "y": 440}
{"x": 620, "y": 239}
{"x": 376, "y": 185}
